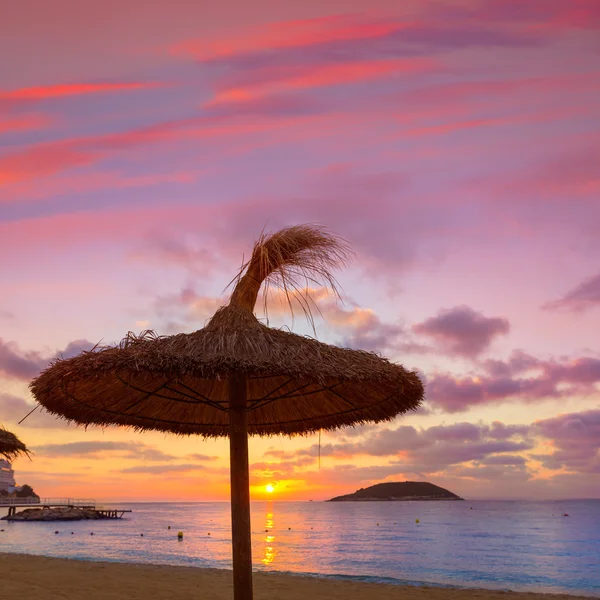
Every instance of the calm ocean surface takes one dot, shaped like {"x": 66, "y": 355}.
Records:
{"x": 501, "y": 545}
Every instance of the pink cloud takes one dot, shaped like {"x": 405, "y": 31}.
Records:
{"x": 24, "y": 365}
{"x": 572, "y": 172}
{"x": 361, "y": 34}
{"x": 58, "y": 183}
{"x": 94, "y": 448}
{"x": 185, "y": 252}
{"x": 18, "y": 364}
{"x": 522, "y": 377}
{"x": 447, "y": 128}
{"x": 462, "y": 330}
{"x": 575, "y": 441}
{"x": 576, "y": 14}
{"x": 358, "y": 194}
{"x": 277, "y": 80}
{"x": 484, "y": 90}
{"x": 536, "y": 16}
{"x": 363, "y": 329}
{"x": 80, "y": 229}
{"x": 429, "y": 450}
{"x": 48, "y": 158}
{"x": 584, "y": 296}
{"x": 72, "y": 89}
{"x": 23, "y": 123}
{"x": 13, "y": 409}
{"x": 51, "y": 158}
{"x": 287, "y": 34}
{"x": 43, "y": 159}
{"x": 186, "y": 308}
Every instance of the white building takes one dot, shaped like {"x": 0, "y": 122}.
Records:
{"x": 7, "y": 477}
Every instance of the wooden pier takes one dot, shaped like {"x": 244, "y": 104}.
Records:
{"x": 113, "y": 513}
{"x": 47, "y": 503}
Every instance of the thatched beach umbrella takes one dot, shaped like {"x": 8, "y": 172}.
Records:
{"x": 236, "y": 376}
{"x": 10, "y": 445}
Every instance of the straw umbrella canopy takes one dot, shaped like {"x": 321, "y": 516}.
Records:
{"x": 237, "y": 376}
{"x": 10, "y": 445}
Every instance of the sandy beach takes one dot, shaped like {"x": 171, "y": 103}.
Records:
{"x": 42, "y": 578}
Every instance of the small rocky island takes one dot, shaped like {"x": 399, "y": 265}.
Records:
{"x": 399, "y": 491}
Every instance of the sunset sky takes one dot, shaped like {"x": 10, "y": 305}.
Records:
{"x": 455, "y": 144}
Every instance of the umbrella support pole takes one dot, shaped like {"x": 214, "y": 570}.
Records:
{"x": 240, "y": 489}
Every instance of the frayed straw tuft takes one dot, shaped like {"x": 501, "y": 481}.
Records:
{"x": 291, "y": 260}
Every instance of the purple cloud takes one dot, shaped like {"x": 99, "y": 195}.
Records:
{"x": 505, "y": 459}
{"x": 462, "y": 330}
{"x": 549, "y": 16}
{"x": 501, "y": 431}
{"x": 430, "y": 450}
{"x": 502, "y": 381}
{"x": 168, "y": 468}
{"x": 189, "y": 254}
{"x": 583, "y": 297}
{"x": 13, "y": 409}
{"x": 575, "y": 439}
{"x": 130, "y": 450}
{"x": 74, "y": 348}
{"x": 202, "y": 457}
{"x": 25, "y": 365}
{"x": 374, "y": 40}
{"x": 17, "y": 364}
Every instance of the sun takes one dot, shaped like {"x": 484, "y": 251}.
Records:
{"x": 269, "y": 488}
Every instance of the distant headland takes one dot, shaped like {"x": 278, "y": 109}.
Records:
{"x": 399, "y": 491}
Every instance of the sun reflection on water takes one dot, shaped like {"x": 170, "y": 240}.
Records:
{"x": 269, "y": 551}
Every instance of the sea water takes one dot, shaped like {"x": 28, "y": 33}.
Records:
{"x": 525, "y": 546}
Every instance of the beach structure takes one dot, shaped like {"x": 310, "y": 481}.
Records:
{"x": 237, "y": 376}
{"x": 58, "y": 509}
{"x": 10, "y": 445}
{"x": 7, "y": 477}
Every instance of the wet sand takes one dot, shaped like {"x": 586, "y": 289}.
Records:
{"x": 42, "y": 578}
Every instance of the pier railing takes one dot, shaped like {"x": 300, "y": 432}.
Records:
{"x": 47, "y": 501}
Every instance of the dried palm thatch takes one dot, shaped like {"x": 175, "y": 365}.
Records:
{"x": 237, "y": 376}
{"x": 179, "y": 383}
{"x": 10, "y": 445}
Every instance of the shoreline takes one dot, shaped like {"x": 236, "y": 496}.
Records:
{"x": 46, "y": 578}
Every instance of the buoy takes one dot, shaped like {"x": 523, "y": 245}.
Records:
{"x": 180, "y": 535}
{"x": 377, "y": 524}
{"x": 3, "y": 529}
{"x": 141, "y": 535}
{"x": 72, "y": 533}
{"x": 289, "y": 528}
{"x": 92, "y": 533}
{"x": 169, "y": 527}
{"x": 56, "y": 532}
{"x": 417, "y": 521}
{"x": 565, "y": 514}
{"x": 209, "y": 533}
{"x": 266, "y": 531}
